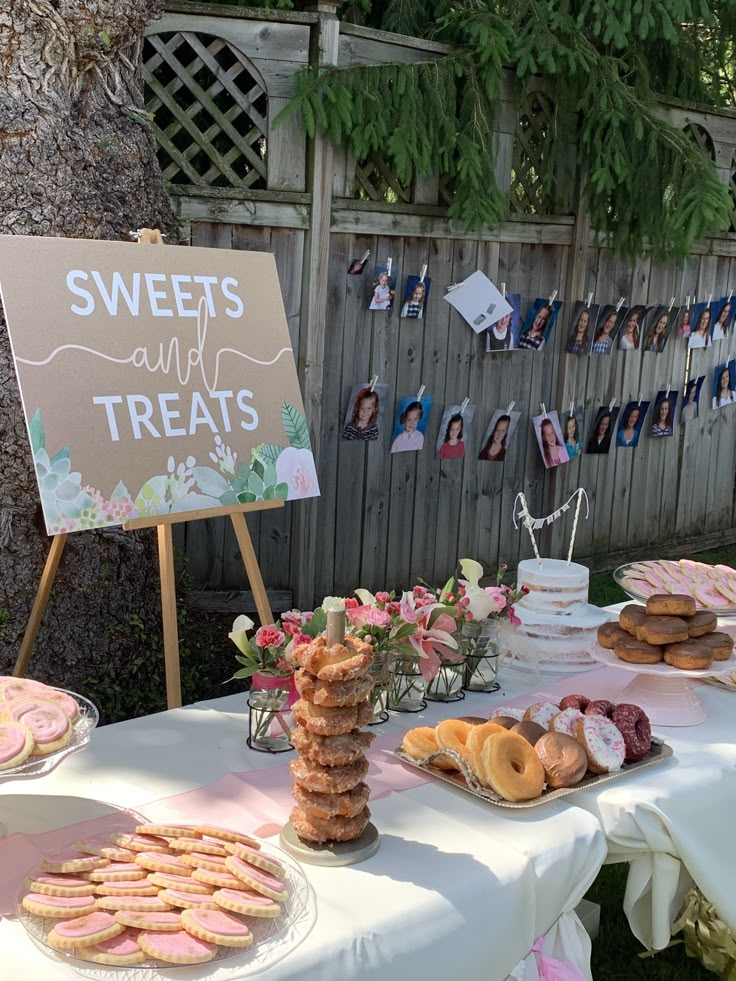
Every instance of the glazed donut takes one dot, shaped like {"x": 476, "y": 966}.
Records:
{"x": 332, "y": 694}
{"x": 421, "y": 742}
{"x": 321, "y": 830}
{"x": 531, "y": 731}
{"x": 692, "y": 655}
{"x": 564, "y": 760}
{"x": 574, "y": 702}
{"x": 720, "y": 643}
{"x": 341, "y": 662}
{"x": 324, "y": 806}
{"x": 566, "y": 721}
{"x": 600, "y": 707}
{"x": 671, "y": 604}
{"x": 633, "y": 724}
{"x": 663, "y": 630}
{"x": 479, "y": 733}
{"x": 453, "y": 734}
{"x": 541, "y": 712}
{"x": 609, "y": 632}
{"x": 637, "y": 652}
{"x": 325, "y": 721}
{"x": 701, "y": 623}
{"x": 631, "y": 616}
{"x": 331, "y": 750}
{"x": 510, "y": 767}
{"x": 602, "y": 742}
{"x": 328, "y": 779}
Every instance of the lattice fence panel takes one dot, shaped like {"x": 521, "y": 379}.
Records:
{"x": 210, "y": 112}
{"x": 527, "y": 194}
{"x": 375, "y": 182}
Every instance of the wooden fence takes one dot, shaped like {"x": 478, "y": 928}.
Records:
{"x": 216, "y": 78}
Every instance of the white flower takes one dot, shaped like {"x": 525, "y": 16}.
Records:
{"x": 366, "y": 598}
{"x": 481, "y": 603}
{"x": 332, "y": 604}
{"x": 241, "y": 626}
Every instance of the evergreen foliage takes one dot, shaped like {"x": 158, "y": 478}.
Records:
{"x": 648, "y": 187}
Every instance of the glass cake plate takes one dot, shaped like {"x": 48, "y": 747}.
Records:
{"x": 623, "y": 573}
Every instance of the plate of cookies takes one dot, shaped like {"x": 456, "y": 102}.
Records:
{"x": 528, "y": 757}
{"x": 162, "y": 897}
{"x": 40, "y": 726}
{"x": 713, "y": 587}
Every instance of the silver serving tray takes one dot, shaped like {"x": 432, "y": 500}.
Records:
{"x": 466, "y": 781}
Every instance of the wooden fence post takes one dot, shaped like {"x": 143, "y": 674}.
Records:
{"x": 323, "y": 52}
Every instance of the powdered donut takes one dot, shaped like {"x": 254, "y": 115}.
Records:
{"x": 176, "y": 948}
{"x": 58, "y": 885}
{"x": 163, "y": 922}
{"x": 326, "y": 779}
{"x": 574, "y": 701}
{"x": 16, "y": 744}
{"x": 247, "y": 902}
{"x": 120, "y": 951}
{"x": 602, "y": 742}
{"x": 563, "y": 758}
{"x": 186, "y": 900}
{"x": 600, "y": 707}
{"x": 216, "y": 927}
{"x": 332, "y": 750}
{"x": 158, "y": 862}
{"x": 332, "y": 693}
{"x": 508, "y": 712}
{"x": 542, "y": 713}
{"x": 184, "y": 883}
{"x": 217, "y": 880}
{"x": 332, "y": 829}
{"x": 58, "y": 907}
{"x": 257, "y": 857}
{"x": 139, "y": 843}
{"x": 566, "y": 721}
{"x": 51, "y": 729}
{"x": 510, "y": 767}
{"x": 633, "y": 724}
{"x": 347, "y": 804}
{"x": 225, "y": 834}
{"x": 257, "y": 879}
{"x": 341, "y": 662}
{"x": 84, "y": 930}
{"x": 117, "y": 872}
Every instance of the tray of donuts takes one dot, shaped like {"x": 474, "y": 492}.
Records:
{"x": 525, "y": 758}
{"x": 40, "y": 725}
{"x": 668, "y": 631}
{"x": 161, "y": 896}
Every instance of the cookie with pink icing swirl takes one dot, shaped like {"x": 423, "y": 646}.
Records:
{"x": 50, "y": 726}
{"x": 16, "y": 744}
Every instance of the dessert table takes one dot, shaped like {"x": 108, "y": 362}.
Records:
{"x": 457, "y": 886}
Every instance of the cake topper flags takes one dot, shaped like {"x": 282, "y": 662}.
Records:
{"x": 532, "y": 524}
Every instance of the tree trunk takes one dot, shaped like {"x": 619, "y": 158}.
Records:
{"x": 77, "y": 159}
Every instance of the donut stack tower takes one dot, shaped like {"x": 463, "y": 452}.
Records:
{"x": 335, "y": 686}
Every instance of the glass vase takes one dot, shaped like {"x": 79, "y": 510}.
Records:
{"x": 480, "y": 645}
{"x": 447, "y": 684}
{"x": 406, "y": 687}
{"x": 270, "y": 720}
{"x": 379, "y": 671}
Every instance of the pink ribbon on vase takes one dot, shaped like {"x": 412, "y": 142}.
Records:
{"x": 271, "y": 682}
{"x": 550, "y": 969}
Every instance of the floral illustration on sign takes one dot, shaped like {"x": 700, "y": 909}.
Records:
{"x": 275, "y": 472}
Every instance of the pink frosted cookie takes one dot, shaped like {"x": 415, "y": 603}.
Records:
{"x": 166, "y": 830}
{"x": 511, "y": 712}
{"x": 102, "y": 847}
{"x": 16, "y": 744}
{"x": 542, "y": 713}
{"x": 220, "y": 880}
{"x": 51, "y": 729}
{"x": 84, "y": 931}
{"x": 158, "y": 862}
{"x": 139, "y": 843}
{"x": 12, "y": 688}
{"x": 66, "y": 703}
{"x": 225, "y": 834}
{"x": 144, "y": 904}
{"x": 197, "y": 845}
{"x": 128, "y": 887}
{"x": 117, "y": 872}
{"x": 248, "y": 902}
{"x": 59, "y": 885}
{"x": 258, "y": 858}
{"x": 602, "y": 742}
{"x": 216, "y": 927}
{"x": 58, "y": 907}
{"x": 257, "y": 879}
{"x": 710, "y": 596}
{"x": 187, "y": 900}
{"x": 177, "y": 948}
{"x": 197, "y": 860}
{"x": 184, "y": 883}
{"x": 71, "y": 861}
{"x": 566, "y": 721}
{"x": 119, "y": 951}
{"x": 163, "y": 922}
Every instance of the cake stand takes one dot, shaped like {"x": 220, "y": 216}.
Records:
{"x": 662, "y": 691}
{"x": 39, "y": 766}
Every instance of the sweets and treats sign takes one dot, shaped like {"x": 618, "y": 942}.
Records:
{"x": 154, "y": 379}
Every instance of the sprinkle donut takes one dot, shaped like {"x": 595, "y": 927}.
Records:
{"x": 16, "y": 744}
{"x": 509, "y": 712}
{"x": 542, "y": 713}
{"x": 50, "y": 727}
{"x": 602, "y": 742}
{"x": 633, "y": 724}
{"x": 600, "y": 707}
{"x": 332, "y": 750}
{"x": 566, "y": 721}
{"x": 340, "y": 662}
{"x": 332, "y": 694}
{"x": 579, "y": 702}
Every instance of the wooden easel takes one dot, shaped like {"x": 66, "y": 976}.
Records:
{"x": 163, "y": 524}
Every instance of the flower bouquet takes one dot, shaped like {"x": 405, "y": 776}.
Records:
{"x": 267, "y": 660}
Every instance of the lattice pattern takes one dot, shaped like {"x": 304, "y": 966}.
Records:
{"x": 210, "y": 111}
{"x": 527, "y": 194}
{"x": 375, "y": 182}
{"x": 732, "y": 189}
{"x": 702, "y": 138}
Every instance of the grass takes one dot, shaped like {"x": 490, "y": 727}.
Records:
{"x": 616, "y": 950}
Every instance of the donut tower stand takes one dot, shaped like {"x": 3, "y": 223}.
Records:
{"x": 359, "y": 839}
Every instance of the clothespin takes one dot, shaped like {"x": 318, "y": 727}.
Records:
{"x": 672, "y": 303}
{"x": 668, "y": 392}
{"x": 365, "y": 257}
{"x": 710, "y": 299}
{"x": 423, "y": 273}
{"x": 464, "y": 406}
{"x": 640, "y": 398}
{"x": 572, "y": 408}
{"x": 590, "y": 299}
{"x": 611, "y": 404}
{"x": 454, "y": 286}
{"x": 687, "y": 302}
{"x": 553, "y": 298}
{"x": 389, "y": 262}
{"x": 730, "y": 294}
{"x": 503, "y": 290}
{"x": 420, "y": 392}
{"x": 374, "y": 382}
{"x": 510, "y": 407}
{"x": 544, "y": 408}
{"x": 620, "y": 303}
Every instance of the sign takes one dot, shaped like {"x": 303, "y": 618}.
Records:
{"x": 154, "y": 379}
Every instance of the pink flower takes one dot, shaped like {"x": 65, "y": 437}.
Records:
{"x": 504, "y": 567}
{"x": 515, "y": 621}
{"x": 302, "y": 639}
{"x": 292, "y": 617}
{"x": 525, "y": 589}
{"x": 351, "y": 603}
{"x": 269, "y": 637}
{"x": 377, "y": 618}
{"x": 306, "y": 617}
{"x": 290, "y": 628}
{"x": 383, "y": 597}
{"x": 284, "y": 666}
{"x": 498, "y": 596}
{"x": 296, "y": 469}
{"x": 394, "y": 607}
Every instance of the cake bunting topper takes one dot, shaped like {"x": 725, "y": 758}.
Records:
{"x": 533, "y": 524}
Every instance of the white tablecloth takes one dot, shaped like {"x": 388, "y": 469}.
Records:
{"x": 457, "y": 887}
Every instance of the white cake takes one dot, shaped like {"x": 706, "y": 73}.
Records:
{"x": 558, "y": 625}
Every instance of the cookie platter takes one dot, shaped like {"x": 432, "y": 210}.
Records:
{"x": 464, "y": 780}
{"x": 685, "y": 577}
{"x": 272, "y": 934}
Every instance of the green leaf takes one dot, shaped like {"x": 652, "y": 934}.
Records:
{"x": 281, "y": 491}
{"x": 268, "y": 452}
{"x": 295, "y": 427}
{"x": 38, "y": 437}
{"x": 63, "y": 454}
{"x": 255, "y": 485}
{"x": 246, "y": 498}
{"x": 258, "y": 467}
